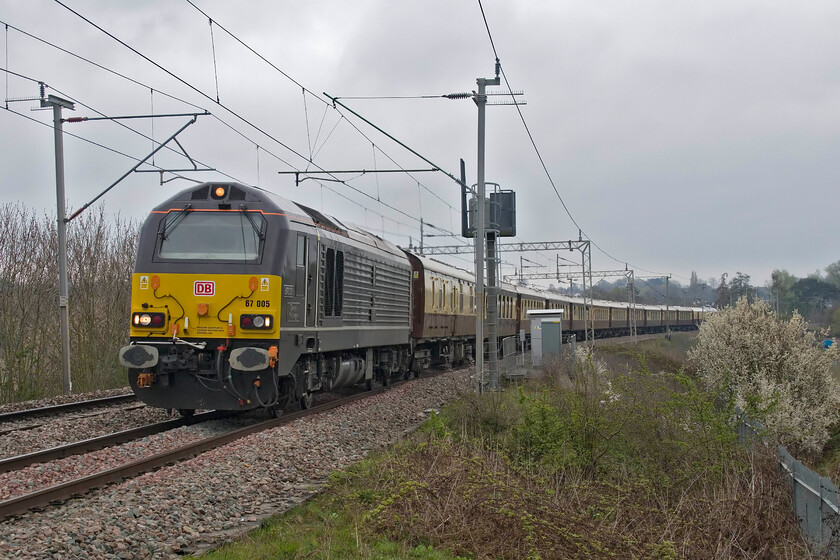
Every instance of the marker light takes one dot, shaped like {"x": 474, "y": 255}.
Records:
{"x": 219, "y": 192}
{"x": 255, "y": 322}
{"x": 148, "y": 320}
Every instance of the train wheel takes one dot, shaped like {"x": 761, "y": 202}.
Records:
{"x": 186, "y": 412}
{"x": 306, "y": 401}
{"x": 275, "y": 411}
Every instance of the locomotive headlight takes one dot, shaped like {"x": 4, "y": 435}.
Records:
{"x": 262, "y": 322}
{"x": 141, "y": 320}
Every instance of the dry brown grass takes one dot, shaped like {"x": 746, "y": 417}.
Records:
{"x": 586, "y": 464}
{"x": 474, "y": 502}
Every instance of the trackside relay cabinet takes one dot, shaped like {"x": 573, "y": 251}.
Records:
{"x": 546, "y": 334}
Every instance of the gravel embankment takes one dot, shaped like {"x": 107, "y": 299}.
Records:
{"x": 63, "y": 399}
{"x": 41, "y": 476}
{"x": 67, "y": 428}
{"x": 199, "y": 503}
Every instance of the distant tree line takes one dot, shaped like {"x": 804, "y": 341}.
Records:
{"x": 101, "y": 253}
{"x": 816, "y": 297}
{"x": 654, "y": 291}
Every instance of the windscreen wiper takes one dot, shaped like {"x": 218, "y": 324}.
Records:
{"x": 257, "y": 229}
{"x": 170, "y": 223}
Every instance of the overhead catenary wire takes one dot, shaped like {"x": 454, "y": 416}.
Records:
{"x": 231, "y": 111}
{"x": 539, "y": 154}
{"x": 87, "y": 140}
{"x": 152, "y": 90}
{"x": 92, "y": 142}
{"x": 96, "y": 64}
{"x": 419, "y": 183}
{"x": 215, "y": 68}
{"x": 180, "y": 79}
{"x": 134, "y": 158}
{"x": 305, "y": 90}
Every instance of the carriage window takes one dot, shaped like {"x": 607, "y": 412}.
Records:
{"x": 215, "y": 236}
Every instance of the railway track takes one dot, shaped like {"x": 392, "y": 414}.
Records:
{"x": 80, "y": 486}
{"x": 67, "y": 407}
{"x": 101, "y": 442}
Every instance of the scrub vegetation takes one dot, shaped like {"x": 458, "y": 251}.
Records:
{"x": 101, "y": 253}
{"x": 775, "y": 370}
{"x": 587, "y": 463}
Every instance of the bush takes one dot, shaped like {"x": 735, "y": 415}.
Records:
{"x": 100, "y": 261}
{"x": 636, "y": 466}
{"x": 773, "y": 369}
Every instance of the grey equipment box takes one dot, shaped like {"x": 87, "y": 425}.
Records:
{"x": 546, "y": 334}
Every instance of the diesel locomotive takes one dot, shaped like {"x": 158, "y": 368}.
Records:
{"x": 243, "y": 299}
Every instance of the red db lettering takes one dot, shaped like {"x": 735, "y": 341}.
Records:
{"x": 204, "y": 288}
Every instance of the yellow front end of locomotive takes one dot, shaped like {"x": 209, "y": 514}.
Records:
{"x": 224, "y": 306}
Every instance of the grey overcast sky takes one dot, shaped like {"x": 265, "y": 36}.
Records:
{"x": 681, "y": 135}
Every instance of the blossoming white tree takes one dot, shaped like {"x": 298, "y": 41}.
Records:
{"x": 775, "y": 370}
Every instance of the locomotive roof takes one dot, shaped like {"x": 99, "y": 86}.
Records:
{"x": 442, "y": 268}
{"x": 274, "y": 203}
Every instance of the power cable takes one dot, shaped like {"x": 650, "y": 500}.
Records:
{"x": 180, "y": 79}
{"x": 101, "y": 114}
{"x": 261, "y": 57}
{"x": 83, "y": 139}
{"x": 231, "y": 111}
{"x": 539, "y": 155}
{"x": 101, "y": 67}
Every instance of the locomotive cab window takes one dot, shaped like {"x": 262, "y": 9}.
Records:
{"x": 217, "y": 236}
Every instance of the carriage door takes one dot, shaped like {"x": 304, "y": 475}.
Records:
{"x": 305, "y": 277}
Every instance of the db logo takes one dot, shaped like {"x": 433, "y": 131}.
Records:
{"x": 204, "y": 288}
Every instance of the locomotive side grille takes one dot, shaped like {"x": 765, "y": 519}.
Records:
{"x": 328, "y": 285}
{"x": 376, "y": 292}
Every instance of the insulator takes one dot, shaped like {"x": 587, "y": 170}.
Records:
{"x": 458, "y": 95}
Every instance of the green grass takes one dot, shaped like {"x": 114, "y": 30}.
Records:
{"x": 638, "y": 465}
{"x": 328, "y": 527}
{"x": 659, "y": 353}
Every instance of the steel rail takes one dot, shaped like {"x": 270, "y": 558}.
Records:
{"x": 61, "y": 492}
{"x": 29, "y": 412}
{"x": 93, "y": 444}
